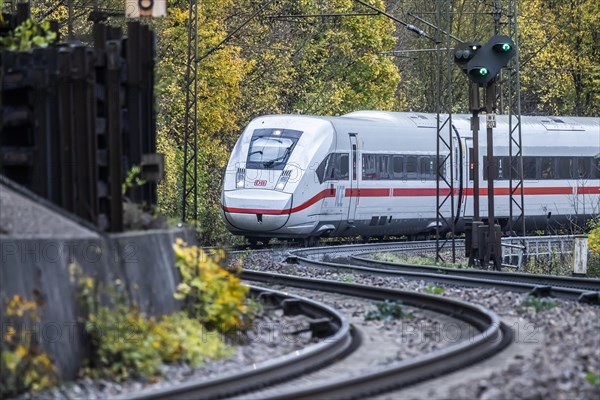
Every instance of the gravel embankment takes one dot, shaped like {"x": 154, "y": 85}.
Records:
{"x": 556, "y": 369}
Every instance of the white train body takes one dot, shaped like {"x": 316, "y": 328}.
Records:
{"x": 372, "y": 173}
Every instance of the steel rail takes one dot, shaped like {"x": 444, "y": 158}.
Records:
{"x": 493, "y": 336}
{"x": 587, "y": 284}
{"x": 339, "y": 339}
{"x": 578, "y": 289}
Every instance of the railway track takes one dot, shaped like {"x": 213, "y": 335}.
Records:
{"x": 572, "y": 288}
{"x": 493, "y": 336}
{"x": 325, "y": 322}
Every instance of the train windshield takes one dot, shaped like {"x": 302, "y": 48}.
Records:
{"x": 271, "y": 148}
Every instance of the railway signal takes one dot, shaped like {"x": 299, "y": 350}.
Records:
{"x": 464, "y": 52}
{"x": 487, "y": 61}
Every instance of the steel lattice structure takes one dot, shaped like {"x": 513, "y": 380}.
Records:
{"x": 445, "y": 211}
{"x": 517, "y": 200}
{"x": 189, "y": 198}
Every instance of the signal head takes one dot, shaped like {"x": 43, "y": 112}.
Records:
{"x": 490, "y": 59}
{"x": 464, "y": 52}
{"x": 502, "y": 47}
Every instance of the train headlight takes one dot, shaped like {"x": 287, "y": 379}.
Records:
{"x": 240, "y": 178}
{"x": 283, "y": 179}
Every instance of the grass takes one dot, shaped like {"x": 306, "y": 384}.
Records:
{"x": 432, "y": 289}
{"x": 387, "y": 311}
{"x": 539, "y": 303}
{"x": 416, "y": 260}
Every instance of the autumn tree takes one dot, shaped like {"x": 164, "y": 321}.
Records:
{"x": 561, "y": 56}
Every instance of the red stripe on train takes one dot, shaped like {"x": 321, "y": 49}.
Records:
{"x": 533, "y": 191}
{"x": 319, "y": 196}
{"x": 412, "y": 192}
{"x": 368, "y": 192}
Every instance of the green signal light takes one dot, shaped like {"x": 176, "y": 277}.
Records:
{"x": 483, "y": 71}
{"x": 505, "y": 47}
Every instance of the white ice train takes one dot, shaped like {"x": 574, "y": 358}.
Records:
{"x": 372, "y": 173}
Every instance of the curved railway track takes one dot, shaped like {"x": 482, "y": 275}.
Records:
{"x": 325, "y": 323}
{"x": 579, "y": 289}
{"x": 493, "y": 336}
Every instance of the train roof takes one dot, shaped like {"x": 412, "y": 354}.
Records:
{"x": 564, "y": 131}
{"x": 424, "y": 120}
{"x": 428, "y": 120}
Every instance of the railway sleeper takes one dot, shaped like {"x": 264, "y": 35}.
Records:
{"x": 589, "y": 298}
{"x": 541, "y": 291}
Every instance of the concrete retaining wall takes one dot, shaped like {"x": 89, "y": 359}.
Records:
{"x": 142, "y": 261}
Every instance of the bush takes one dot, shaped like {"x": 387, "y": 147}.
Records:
{"x": 127, "y": 343}
{"x": 212, "y": 295}
{"x": 593, "y": 266}
{"x": 594, "y": 235}
{"x": 23, "y": 366}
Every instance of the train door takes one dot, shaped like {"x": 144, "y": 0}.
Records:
{"x": 470, "y": 164}
{"x": 459, "y": 189}
{"x": 352, "y": 192}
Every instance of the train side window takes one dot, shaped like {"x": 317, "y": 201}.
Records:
{"x": 344, "y": 160}
{"x": 565, "y": 168}
{"x": 584, "y": 165}
{"x": 495, "y": 168}
{"x": 369, "y": 168}
{"x": 547, "y": 168}
{"x": 442, "y": 166}
{"x": 596, "y": 168}
{"x": 411, "y": 167}
{"x": 503, "y": 168}
{"x": 530, "y": 168}
{"x": 383, "y": 166}
{"x": 334, "y": 167}
{"x": 426, "y": 167}
{"x": 398, "y": 167}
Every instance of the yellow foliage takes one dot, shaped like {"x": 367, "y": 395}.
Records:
{"x": 128, "y": 343}
{"x": 594, "y": 240}
{"x": 213, "y": 295}
{"x": 23, "y": 366}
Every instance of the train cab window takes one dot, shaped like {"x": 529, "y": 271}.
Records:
{"x": 530, "y": 168}
{"x": 271, "y": 148}
{"x": 547, "y": 168}
{"x": 334, "y": 167}
{"x": 565, "y": 168}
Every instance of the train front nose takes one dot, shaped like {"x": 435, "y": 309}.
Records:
{"x": 256, "y": 210}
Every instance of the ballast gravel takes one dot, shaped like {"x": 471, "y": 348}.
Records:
{"x": 564, "y": 366}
